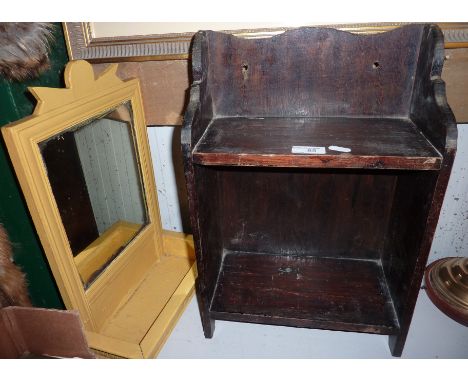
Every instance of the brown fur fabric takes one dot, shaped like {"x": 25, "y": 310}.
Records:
{"x": 13, "y": 290}
{"x": 24, "y": 49}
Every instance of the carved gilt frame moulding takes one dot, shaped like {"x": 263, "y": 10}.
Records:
{"x": 135, "y": 302}
{"x": 83, "y": 45}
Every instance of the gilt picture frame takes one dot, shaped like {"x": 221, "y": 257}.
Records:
{"x": 82, "y": 42}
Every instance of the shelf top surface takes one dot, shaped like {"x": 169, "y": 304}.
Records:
{"x": 316, "y": 142}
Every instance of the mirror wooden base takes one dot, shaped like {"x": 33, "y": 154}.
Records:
{"x": 144, "y": 320}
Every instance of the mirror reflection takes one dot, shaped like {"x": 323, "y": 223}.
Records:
{"x": 95, "y": 178}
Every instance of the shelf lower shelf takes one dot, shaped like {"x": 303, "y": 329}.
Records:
{"x": 314, "y": 292}
{"x": 386, "y": 143}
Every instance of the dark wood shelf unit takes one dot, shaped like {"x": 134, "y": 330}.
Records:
{"x": 330, "y": 240}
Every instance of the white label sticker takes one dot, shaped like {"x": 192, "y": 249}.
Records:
{"x": 308, "y": 150}
{"x": 340, "y": 149}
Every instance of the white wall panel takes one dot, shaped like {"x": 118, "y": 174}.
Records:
{"x": 450, "y": 237}
{"x": 168, "y": 171}
{"x": 105, "y": 148}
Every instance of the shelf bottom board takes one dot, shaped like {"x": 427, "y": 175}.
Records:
{"x": 304, "y": 291}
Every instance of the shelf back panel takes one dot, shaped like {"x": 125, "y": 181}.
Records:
{"x": 299, "y": 212}
{"x": 313, "y": 72}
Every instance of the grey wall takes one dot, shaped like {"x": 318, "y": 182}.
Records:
{"x": 450, "y": 238}
{"x": 169, "y": 174}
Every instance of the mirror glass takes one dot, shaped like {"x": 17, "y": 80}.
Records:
{"x": 96, "y": 181}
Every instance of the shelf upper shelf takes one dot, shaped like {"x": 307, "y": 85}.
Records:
{"x": 388, "y": 143}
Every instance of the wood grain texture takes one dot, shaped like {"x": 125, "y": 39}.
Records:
{"x": 164, "y": 87}
{"x": 251, "y": 101}
{"x": 302, "y": 212}
{"x": 373, "y": 142}
{"x": 434, "y": 193}
{"x": 455, "y": 76}
{"x": 196, "y": 119}
{"x": 340, "y": 74}
{"x": 329, "y": 293}
{"x": 429, "y": 110}
{"x": 210, "y": 248}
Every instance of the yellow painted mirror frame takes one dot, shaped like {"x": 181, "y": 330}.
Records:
{"x": 130, "y": 309}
